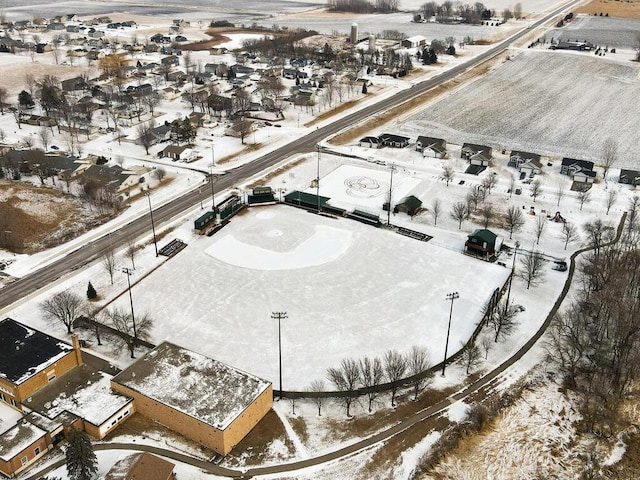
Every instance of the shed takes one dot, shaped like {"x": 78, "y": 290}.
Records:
{"x": 409, "y": 205}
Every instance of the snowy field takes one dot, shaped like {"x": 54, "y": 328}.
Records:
{"x": 349, "y": 290}
{"x": 602, "y": 31}
{"x": 543, "y": 102}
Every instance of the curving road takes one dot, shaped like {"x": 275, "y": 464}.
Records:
{"x": 138, "y": 227}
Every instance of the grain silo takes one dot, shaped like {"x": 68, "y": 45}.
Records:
{"x": 354, "y": 34}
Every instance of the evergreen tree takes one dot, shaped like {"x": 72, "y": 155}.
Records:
{"x": 82, "y": 463}
{"x": 91, "y": 292}
{"x": 364, "y": 88}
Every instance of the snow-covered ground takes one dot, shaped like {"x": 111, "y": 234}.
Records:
{"x": 543, "y": 102}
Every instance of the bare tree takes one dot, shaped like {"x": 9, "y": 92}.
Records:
{"x": 346, "y": 379}
{"x": 532, "y": 270}
{"x": 598, "y": 233}
{"x": 583, "y": 197}
{"x": 394, "y": 367}
{"x": 569, "y": 233}
{"x": 459, "y": 212}
{"x": 96, "y": 318}
{"x": 514, "y": 220}
{"x": 145, "y": 135}
{"x": 317, "y": 386}
{"x": 130, "y": 252}
{"x": 541, "y": 223}
{"x": 517, "y": 11}
{"x": 447, "y": 173}
{"x": 486, "y": 346}
{"x": 131, "y": 330}
{"x": 632, "y": 213}
{"x": 512, "y": 185}
{"x": 109, "y": 264}
{"x": 609, "y": 156}
{"x": 4, "y": 93}
{"x": 559, "y": 191}
{"x": 45, "y": 137}
{"x": 371, "y": 375}
{"x": 535, "y": 189}
{"x": 473, "y": 198}
{"x": 487, "y": 214}
{"x": 63, "y": 307}
{"x": 488, "y": 182}
{"x": 28, "y": 142}
{"x": 436, "y": 210}
{"x": 612, "y": 196}
{"x": 419, "y": 361}
{"x": 471, "y": 356}
{"x": 503, "y": 320}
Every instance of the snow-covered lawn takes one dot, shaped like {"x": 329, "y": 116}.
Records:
{"x": 348, "y": 290}
{"x": 544, "y": 102}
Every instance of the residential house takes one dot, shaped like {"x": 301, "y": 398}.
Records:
{"x": 476, "y": 154}
{"x": 72, "y": 84}
{"x": 175, "y": 152}
{"x": 392, "y": 140}
{"x": 56, "y": 26}
{"x": 211, "y": 68}
{"x": 414, "y": 41}
{"x": 629, "y": 177}
{"x": 369, "y": 142}
{"x": 483, "y": 242}
{"x": 578, "y": 170}
{"x": 431, "y": 147}
{"x": 525, "y": 162}
{"x": 198, "y": 401}
{"x": 170, "y": 61}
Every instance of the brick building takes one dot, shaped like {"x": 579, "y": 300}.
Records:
{"x": 201, "y": 398}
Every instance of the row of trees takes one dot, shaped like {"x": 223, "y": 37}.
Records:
{"x": 595, "y": 342}
{"x": 364, "y": 6}
{"x": 368, "y": 373}
{"x": 449, "y": 11}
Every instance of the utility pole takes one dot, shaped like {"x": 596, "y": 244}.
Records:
{"x": 153, "y": 227}
{"x": 450, "y": 296}
{"x": 128, "y": 272}
{"x": 279, "y": 316}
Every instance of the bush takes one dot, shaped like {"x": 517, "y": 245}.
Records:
{"x": 91, "y": 292}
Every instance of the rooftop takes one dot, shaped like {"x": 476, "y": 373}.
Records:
{"x": 15, "y": 440}
{"x": 201, "y": 387}
{"x": 141, "y": 466}
{"x": 83, "y": 392}
{"x": 26, "y": 351}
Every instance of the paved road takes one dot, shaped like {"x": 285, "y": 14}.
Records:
{"x": 140, "y": 226}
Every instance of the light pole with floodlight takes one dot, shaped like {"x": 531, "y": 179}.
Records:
{"x": 279, "y": 316}
{"x": 450, "y": 296}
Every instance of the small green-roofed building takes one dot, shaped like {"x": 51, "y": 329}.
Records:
{"x": 261, "y": 196}
{"x": 303, "y": 199}
{"x": 483, "y": 242}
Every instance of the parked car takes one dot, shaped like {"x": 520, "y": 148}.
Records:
{"x": 559, "y": 266}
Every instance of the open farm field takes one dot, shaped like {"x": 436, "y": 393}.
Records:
{"x": 615, "y": 8}
{"x": 602, "y": 31}
{"x": 556, "y": 104}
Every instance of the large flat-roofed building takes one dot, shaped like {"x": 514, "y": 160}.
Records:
{"x": 30, "y": 359}
{"x": 201, "y": 398}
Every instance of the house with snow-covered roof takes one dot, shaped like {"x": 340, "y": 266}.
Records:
{"x": 30, "y": 359}
{"x": 201, "y": 398}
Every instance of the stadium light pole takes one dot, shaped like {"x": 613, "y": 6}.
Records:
{"x": 318, "y": 178}
{"x": 153, "y": 227}
{"x": 393, "y": 167}
{"x": 450, "y": 296}
{"x": 513, "y": 272}
{"x": 128, "y": 272}
{"x": 213, "y": 198}
{"x": 279, "y": 316}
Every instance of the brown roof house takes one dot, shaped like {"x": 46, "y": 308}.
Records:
{"x": 201, "y": 398}
{"x": 483, "y": 242}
